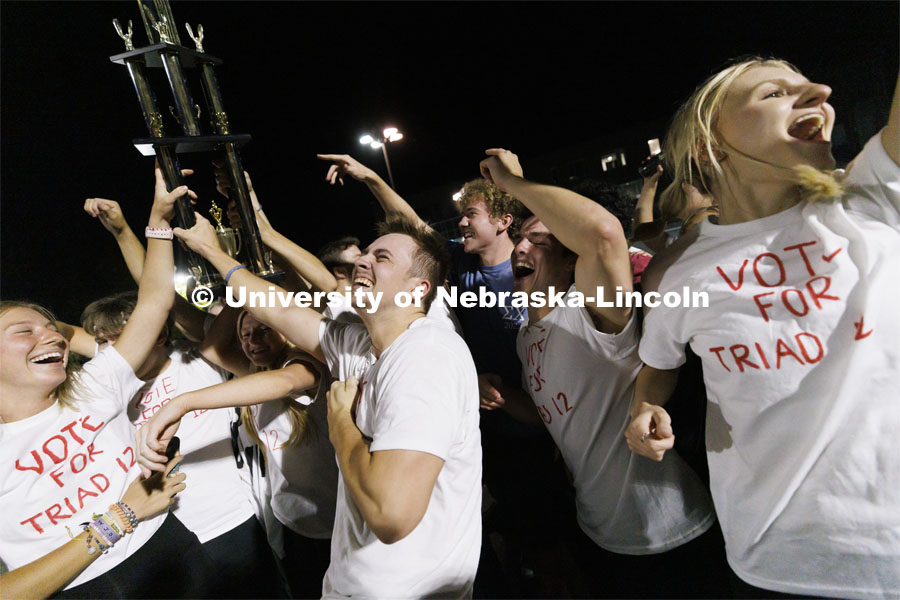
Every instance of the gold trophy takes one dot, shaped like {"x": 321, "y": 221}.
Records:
{"x": 165, "y": 52}
{"x": 229, "y": 238}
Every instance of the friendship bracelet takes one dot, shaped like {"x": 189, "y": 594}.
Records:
{"x": 232, "y": 270}
{"x": 129, "y": 514}
{"x": 106, "y": 532}
{"x": 122, "y": 516}
{"x": 159, "y": 233}
{"x": 110, "y": 520}
{"x": 132, "y": 518}
{"x": 99, "y": 534}
{"x": 90, "y": 538}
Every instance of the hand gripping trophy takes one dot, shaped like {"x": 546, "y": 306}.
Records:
{"x": 165, "y": 51}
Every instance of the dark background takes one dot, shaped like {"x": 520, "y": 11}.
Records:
{"x": 302, "y": 78}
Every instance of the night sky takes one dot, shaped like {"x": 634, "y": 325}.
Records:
{"x": 303, "y": 78}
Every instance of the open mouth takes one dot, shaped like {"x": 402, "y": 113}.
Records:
{"x": 521, "y": 270}
{"x": 363, "y": 282}
{"x": 48, "y": 358}
{"x": 808, "y": 127}
{"x": 468, "y": 235}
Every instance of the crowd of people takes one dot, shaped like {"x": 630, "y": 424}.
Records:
{"x": 580, "y": 449}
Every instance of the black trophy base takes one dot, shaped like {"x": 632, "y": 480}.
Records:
{"x": 151, "y": 55}
{"x": 189, "y": 143}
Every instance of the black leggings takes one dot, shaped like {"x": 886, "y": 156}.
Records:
{"x": 305, "y": 562}
{"x": 245, "y": 564}
{"x": 171, "y": 564}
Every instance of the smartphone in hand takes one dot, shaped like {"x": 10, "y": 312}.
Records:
{"x": 171, "y": 450}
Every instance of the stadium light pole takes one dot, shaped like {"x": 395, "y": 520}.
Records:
{"x": 389, "y": 135}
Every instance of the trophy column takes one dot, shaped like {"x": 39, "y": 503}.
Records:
{"x": 168, "y": 53}
{"x": 168, "y": 159}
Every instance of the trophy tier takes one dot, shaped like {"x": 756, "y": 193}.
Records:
{"x": 275, "y": 277}
{"x": 188, "y": 58}
{"x": 189, "y": 143}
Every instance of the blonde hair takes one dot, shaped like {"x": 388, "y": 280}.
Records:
{"x": 66, "y": 392}
{"x": 693, "y": 142}
{"x": 303, "y": 428}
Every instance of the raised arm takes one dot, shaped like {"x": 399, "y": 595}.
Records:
{"x": 582, "y": 226}
{"x": 391, "y": 488}
{"x": 890, "y": 138}
{"x": 111, "y": 217}
{"x": 187, "y": 318}
{"x": 300, "y": 325}
{"x": 390, "y": 201}
{"x": 80, "y": 341}
{"x": 220, "y": 345}
{"x": 303, "y": 262}
{"x": 155, "y": 294}
{"x": 643, "y": 210}
{"x": 154, "y": 435}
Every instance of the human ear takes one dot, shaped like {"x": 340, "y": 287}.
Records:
{"x": 504, "y": 223}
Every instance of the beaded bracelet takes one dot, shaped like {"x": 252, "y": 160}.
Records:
{"x": 91, "y": 548}
{"x": 104, "y": 531}
{"x": 123, "y": 518}
{"x": 129, "y": 514}
{"x": 110, "y": 520}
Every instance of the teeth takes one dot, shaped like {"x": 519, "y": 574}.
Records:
{"x": 807, "y": 126}
{"x": 363, "y": 281}
{"x": 47, "y": 356}
{"x": 468, "y": 234}
{"x": 523, "y": 264}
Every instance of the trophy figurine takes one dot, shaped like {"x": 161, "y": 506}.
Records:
{"x": 166, "y": 52}
{"x": 229, "y": 238}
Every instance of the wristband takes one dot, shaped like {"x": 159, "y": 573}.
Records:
{"x": 159, "y": 233}
{"x": 115, "y": 508}
{"x": 102, "y": 543}
{"x": 129, "y": 514}
{"x": 109, "y": 520}
{"x": 232, "y": 270}
{"x": 103, "y": 532}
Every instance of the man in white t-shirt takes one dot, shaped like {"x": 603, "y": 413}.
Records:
{"x": 404, "y": 424}
{"x": 219, "y": 508}
{"x": 579, "y": 365}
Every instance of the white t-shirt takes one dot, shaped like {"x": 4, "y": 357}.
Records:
{"x": 216, "y": 499}
{"x": 801, "y": 358}
{"x": 421, "y": 394}
{"x": 61, "y": 465}
{"x": 303, "y": 479}
{"x": 439, "y": 311}
{"x": 582, "y": 382}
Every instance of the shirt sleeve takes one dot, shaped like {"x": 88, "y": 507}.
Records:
{"x": 109, "y": 376}
{"x": 419, "y": 401}
{"x": 607, "y": 345}
{"x": 872, "y": 184}
{"x": 659, "y": 347}
{"x": 339, "y": 340}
